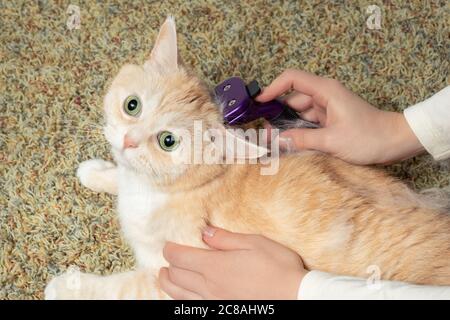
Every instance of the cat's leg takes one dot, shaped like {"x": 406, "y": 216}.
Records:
{"x": 73, "y": 285}
{"x": 98, "y": 175}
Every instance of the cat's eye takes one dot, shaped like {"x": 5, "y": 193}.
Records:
{"x": 132, "y": 106}
{"x": 168, "y": 141}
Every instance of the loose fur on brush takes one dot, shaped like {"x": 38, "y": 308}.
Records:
{"x": 338, "y": 217}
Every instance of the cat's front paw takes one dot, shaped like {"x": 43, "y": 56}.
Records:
{"x": 64, "y": 287}
{"x": 98, "y": 175}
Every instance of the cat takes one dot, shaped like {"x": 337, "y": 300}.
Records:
{"x": 338, "y": 217}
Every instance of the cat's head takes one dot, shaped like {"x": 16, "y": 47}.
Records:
{"x": 151, "y": 111}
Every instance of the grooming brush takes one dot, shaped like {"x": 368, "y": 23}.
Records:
{"x": 240, "y": 106}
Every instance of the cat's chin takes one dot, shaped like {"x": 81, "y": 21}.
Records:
{"x": 127, "y": 159}
{"x": 122, "y": 158}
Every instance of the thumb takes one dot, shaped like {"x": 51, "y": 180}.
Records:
{"x": 225, "y": 240}
{"x": 300, "y": 139}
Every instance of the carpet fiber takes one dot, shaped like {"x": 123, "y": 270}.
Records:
{"x": 52, "y": 80}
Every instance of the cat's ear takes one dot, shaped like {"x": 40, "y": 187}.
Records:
{"x": 165, "y": 52}
{"x": 237, "y": 144}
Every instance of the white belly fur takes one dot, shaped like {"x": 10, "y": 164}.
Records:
{"x": 147, "y": 222}
{"x": 137, "y": 203}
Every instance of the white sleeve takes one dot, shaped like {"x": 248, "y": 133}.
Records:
{"x": 430, "y": 122}
{"x": 325, "y": 286}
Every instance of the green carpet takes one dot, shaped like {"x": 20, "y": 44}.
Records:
{"x": 52, "y": 81}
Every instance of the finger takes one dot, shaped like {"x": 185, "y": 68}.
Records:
{"x": 299, "y": 139}
{"x": 298, "y": 101}
{"x": 188, "y": 258}
{"x": 301, "y": 81}
{"x": 225, "y": 240}
{"x": 174, "y": 291}
{"x": 268, "y": 127}
{"x": 189, "y": 280}
{"x": 315, "y": 115}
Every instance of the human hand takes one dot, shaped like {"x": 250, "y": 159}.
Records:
{"x": 240, "y": 266}
{"x": 352, "y": 129}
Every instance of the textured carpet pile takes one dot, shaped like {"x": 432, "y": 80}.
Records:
{"x": 52, "y": 81}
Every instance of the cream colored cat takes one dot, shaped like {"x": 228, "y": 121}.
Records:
{"x": 340, "y": 218}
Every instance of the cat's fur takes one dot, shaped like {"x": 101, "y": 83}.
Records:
{"x": 340, "y": 218}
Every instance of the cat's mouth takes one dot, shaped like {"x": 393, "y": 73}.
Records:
{"x": 125, "y": 156}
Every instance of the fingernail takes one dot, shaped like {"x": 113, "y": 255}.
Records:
{"x": 258, "y": 97}
{"x": 163, "y": 269}
{"x": 286, "y": 142}
{"x": 209, "y": 231}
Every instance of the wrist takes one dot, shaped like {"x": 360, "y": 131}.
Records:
{"x": 300, "y": 276}
{"x": 403, "y": 142}
{"x": 411, "y": 145}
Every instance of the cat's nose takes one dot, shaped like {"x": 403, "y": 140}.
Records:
{"x": 129, "y": 143}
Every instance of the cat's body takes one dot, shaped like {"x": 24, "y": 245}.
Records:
{"x": 318, "y": 211}
{"x": 339, "y": 217}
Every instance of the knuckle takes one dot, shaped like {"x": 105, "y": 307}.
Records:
{"x": 326, "y": 141}
{"x": 329, "y": 81}
{"x": 219, "y": 234}
{"x": 254, "y": 240}
{"x": 334, "y": 84}
{"x": 299, "y": 141}
{"x": 289, "y": 72}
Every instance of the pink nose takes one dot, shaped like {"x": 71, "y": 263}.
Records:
{"x": 128, "y": 143}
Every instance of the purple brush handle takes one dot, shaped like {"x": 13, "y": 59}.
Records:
{"x": 240, "y": 106}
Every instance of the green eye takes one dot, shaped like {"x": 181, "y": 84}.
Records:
{"x": 168, "y": 141}
{"x": 132, "y": 106}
